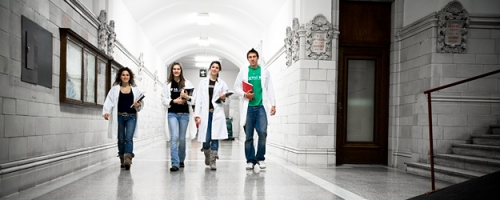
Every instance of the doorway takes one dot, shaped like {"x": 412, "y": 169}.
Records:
{"x": 363, "y": 83}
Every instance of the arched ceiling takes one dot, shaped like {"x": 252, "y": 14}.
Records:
{"x": 236, "y": 26}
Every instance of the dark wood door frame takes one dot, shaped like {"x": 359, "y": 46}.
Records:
{"x": 364, "y": 152}
{"x": 365, "y": 31}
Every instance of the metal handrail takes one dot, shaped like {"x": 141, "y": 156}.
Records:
{"x": 428, "y": 92}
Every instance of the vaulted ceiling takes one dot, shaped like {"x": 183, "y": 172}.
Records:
{"x": 236, "y": 26}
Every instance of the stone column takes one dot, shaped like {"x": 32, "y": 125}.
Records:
{"x": 302, "y": 44}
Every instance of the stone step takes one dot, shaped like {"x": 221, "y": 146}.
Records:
{"x": 484, "y": 151}
{"x": 486, "y": 165}
{"x": 486, "y": 139}
{"x": 495, "y": 130}
{"x": 443, "y": 173}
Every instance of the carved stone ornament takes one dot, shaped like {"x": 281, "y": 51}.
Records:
{"x": 106, "y": 33}
{"x": 288, "y": 46}
{"x": 295, "y": 39}
{"x": 453, "y": 25}
{"x": 319, "y": 36}
{"x": 156, "y": 79}
{"x": 111, "y": 38}
{"x": 102, "y": 31}
{"x": 141, "y": 66}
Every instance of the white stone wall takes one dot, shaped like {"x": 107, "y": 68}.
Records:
{"x": 458, "y": 112}
{"x": 40, "y": 138}
{"x": 303, "y": 129}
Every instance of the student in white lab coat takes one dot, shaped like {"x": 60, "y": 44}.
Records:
{"x": 121, "y": 108}
{"x": 176, "y": 99}
{"x": 210, "y": 115}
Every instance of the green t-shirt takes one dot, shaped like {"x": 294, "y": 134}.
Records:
{"x": 254, "y": 76}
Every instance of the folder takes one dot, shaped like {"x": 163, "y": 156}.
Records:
{"x": 246, "y": 86}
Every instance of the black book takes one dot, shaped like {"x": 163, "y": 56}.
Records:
{"x": 227, "y": 95}
{"x": 189, "y": 91}
{"x": 141, "y": 97}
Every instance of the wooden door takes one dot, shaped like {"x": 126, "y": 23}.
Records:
{"x": 363, "y": 87}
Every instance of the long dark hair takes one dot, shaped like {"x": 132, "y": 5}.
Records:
{"x": 182, "y": 80}
{"x": 218, "y": 63}
{"x": 118, "y": 80}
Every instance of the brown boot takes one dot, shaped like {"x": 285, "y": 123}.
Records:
{"x": 207, "y": 156}
{"x": 127, "y": 161}
{"x": 121, "y": 161}
{"x": 213, "y": 160}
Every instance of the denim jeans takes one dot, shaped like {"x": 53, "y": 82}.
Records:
{"x": 178, "y": 123}
{"x": 126, "y": 128}
{"x": 256, "y": 119}
{"x": 209, "y": 143}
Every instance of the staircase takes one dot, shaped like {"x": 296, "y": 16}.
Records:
{"x": 467, "y": 161}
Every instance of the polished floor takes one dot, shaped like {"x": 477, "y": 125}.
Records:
{"x": 150, "y": 178}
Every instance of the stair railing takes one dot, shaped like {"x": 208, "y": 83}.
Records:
{"x": 428, "y": 92}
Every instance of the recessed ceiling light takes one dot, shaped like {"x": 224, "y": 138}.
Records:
{"x": 203, "y": 19}
{"x": 205, "y": 58}
{"x": 202, "y": 65}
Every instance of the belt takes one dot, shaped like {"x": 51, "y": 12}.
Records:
{"x": 124, "y": 114}
{"x": 211, "y": 110}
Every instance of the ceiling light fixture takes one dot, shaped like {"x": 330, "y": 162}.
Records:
{"x": 202, "y": 65}
{"x": 205, "y": 58}
{"x": 203, "y": 42}
{"x": 203, "y": 19}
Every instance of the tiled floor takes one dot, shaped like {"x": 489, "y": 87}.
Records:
{"x": 149, "y": 178}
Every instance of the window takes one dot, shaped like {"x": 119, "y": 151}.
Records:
{"x": 85, "y": 72}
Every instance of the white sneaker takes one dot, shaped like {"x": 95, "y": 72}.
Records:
{"x": 250, "y": 166}
{"x": 262, "y": 164}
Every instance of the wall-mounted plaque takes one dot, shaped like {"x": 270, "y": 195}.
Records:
{"x": 318, "y": 42}
{"x": 453, "y": 26}
{"x": 319, "y": 36}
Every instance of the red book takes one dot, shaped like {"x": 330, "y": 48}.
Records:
{"x": 246, "y": 86}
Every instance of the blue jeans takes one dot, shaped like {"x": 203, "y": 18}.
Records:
{"x": 209, "y": 143}
{"x": 256, "y": 119}
{"x": 126, "y": 128}
{"x": 178, "y": 123}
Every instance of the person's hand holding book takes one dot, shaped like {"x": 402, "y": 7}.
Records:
{"x": 249, "y": 94}
{"x": 222, "y": 96}
{"x": 184, "y": 95}
{"x": 137, "y": 104}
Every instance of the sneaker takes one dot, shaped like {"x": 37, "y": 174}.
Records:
{"x": 181, "y": 165}
{"x": 174, "y": 168}
{"x": 250, "y": 166}
{"x": 262, "y": 164}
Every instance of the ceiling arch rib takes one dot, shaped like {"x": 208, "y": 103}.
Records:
{"x": 189, "y": 51}
{"x": 201, "y": 6}
{"x": 165, "y": 52}
{"x": 191, "y": 37}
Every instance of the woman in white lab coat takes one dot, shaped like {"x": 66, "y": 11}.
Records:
{"x": 178, "y": 101}
{"x": 121, "y": 108}
{"x": 210, "y": 114}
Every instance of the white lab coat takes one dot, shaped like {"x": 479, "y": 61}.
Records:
{"x": 219, "y": 128}
{"x": 111, "y": 106}
{"x": 166, "y": 99}
{"x": 268, "y": 99}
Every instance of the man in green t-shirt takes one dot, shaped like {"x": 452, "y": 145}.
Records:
{"x": 257, "y": 104}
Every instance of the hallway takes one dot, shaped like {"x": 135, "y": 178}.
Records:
{"x": 149, "y": 178}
